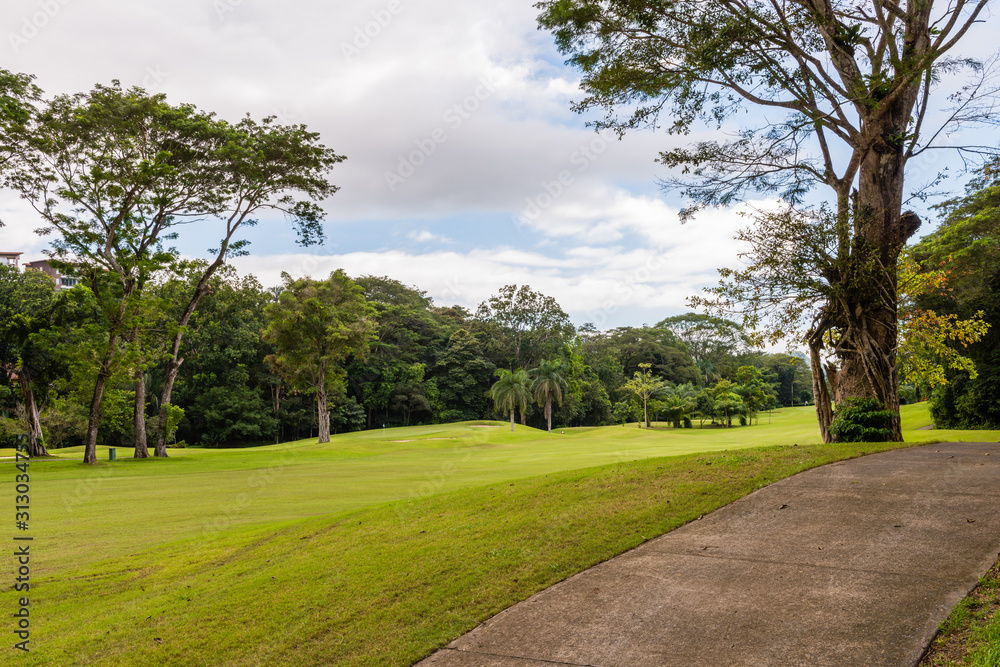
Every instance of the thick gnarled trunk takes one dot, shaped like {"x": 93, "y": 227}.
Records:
{"x": 862, "y": 315}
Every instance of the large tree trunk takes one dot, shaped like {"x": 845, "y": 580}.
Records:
{"x": 512, "y": 420}
{"x": 322, "y": 409}
{"x": 862, "y": 316}
{"x": 548, "y": 411}
{"x": 867, "y": 345}
{"x": 139, "y": 414}
{"x": 36, "y": 438}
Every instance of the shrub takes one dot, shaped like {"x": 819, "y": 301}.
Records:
{"x": 862, "y": 420}
{"x": 743, "y": 420}
{"x": 687, "y": 422}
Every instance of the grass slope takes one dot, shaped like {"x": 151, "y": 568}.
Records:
{"x": 374, "y": 549}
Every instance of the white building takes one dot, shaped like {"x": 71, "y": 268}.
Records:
{"x": 10, "y": 258}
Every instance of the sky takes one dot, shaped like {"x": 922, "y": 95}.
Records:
{"x": 466, "y": 168}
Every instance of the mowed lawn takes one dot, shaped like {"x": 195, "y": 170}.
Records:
{"x": 372, "y": 549}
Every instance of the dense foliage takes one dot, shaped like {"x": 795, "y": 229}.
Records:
{"x": 424, "y": 364}
{"x": 861, "y": 420}
{"x": 968, "y": 243}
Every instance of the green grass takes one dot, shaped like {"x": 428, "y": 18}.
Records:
{"x": 971, "y": 634}
{"x": 373, "y": 549}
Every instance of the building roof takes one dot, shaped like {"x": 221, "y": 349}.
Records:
{"x": 11, "y": 253}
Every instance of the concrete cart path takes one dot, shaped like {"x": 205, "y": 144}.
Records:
{"x": 855, "y": 563}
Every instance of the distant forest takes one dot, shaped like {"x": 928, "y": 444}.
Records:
{"x": 424, "y": 364}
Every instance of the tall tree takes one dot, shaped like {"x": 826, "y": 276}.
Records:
{"x": 846, "y": 88}
{"x": 523, "y": 326}
{"x": 263, "y": 168}
{"x": 548, "y": 383}
{"x": 314, "y": 326}
{"x": 510, "y": 392}
{"x": 110, "y": 173}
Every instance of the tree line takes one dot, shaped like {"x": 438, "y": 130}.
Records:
{"x": 312, "y": 357}
{"x": 115, "y": 175}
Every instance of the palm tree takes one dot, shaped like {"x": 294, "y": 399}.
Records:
{"x": 681, "y": 400}
{"x": 510, "y": 392}
{"x": 548, "y": 382}
{"x": 675, "y": 409}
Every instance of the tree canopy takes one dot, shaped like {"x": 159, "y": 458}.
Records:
{"x": 847, "y": 95}
{"x": 315, "y": 325}
{"x": 523, "y": 325}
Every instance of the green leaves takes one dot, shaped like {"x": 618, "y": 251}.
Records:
{"x": 314, "y": 326}
{"x": 523, "y": 325}
{"x": 862, "y": 420}
{"x": 510, "y": 391}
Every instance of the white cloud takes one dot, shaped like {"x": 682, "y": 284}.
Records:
{"x": 602, "y": 241}
{"x": 591, "y": 283}
{"x": 424, "y": 236}
{"x": 18, "y": 233}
